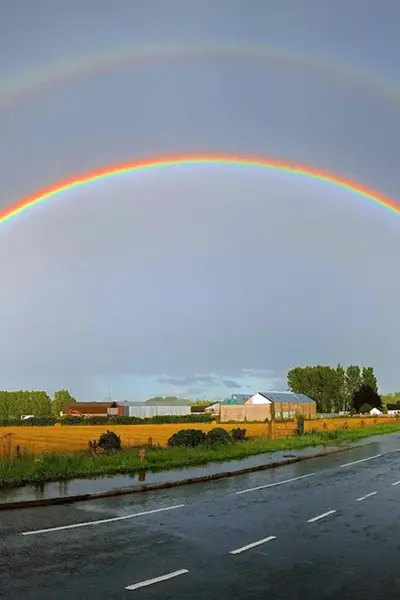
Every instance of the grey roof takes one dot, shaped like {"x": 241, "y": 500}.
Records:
{"x": 286, "y": 397}
{"x": 236, "y": 399}
{"x": 154, "y": 403}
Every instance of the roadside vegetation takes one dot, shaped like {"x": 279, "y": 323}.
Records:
{"x": 107, "y": 457}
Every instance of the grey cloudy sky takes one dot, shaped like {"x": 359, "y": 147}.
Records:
{"x": 206, "y": 279}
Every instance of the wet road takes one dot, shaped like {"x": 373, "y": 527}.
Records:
{"x": 322, "y": 529}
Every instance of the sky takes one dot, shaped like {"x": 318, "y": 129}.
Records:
{"x": 204, "y": 280}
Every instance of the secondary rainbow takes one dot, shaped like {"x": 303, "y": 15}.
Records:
{"x": 170, "y": 161}
{"x": 72, "y": 69}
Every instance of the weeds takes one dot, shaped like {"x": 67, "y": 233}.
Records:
{"x": 57, "y": 466}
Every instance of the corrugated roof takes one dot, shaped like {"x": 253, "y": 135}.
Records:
{"x": 286, "y": 397}
{"x": 153, "y": 403}
{"x": 236, "y": 399}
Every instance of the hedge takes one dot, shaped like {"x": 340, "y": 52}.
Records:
{"x": 70, "y": 420}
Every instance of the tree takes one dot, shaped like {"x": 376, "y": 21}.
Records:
{"x": 368, "y": 378}
{"x": 331, "y": 388}
{"x": 387, "y": 398}
{"x": 320, "y": 383}
{"x": 353, "y": 381}
{"x": 61, "y": 398}
{"x": 342, "y": 402}
{"x": 366, "y": 395}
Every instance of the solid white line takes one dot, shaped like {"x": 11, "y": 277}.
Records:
{"x": 366, "y": 496}
{"x": 136, "y": 586}
{"x": 360, "y": 461}
{"x": 330, "y": 512}
{"x": 268, "y": 485}
{"x": 253, "y": 545}
{"x": 112, "y": 520}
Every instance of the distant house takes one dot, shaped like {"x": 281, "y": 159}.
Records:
{"x": 264, "y": 406}
{"x": 375, "y": 411}
{"x": 213, "y": 409}
{"x": 393, "y": 409}
{"x": 88, "y": 409}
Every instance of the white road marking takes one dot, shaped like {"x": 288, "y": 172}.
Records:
{"x": 366, "y": 496}
{"x": 100, "y": 522}
{"x": 330, "y": 512}
{"x": 136, "y": 586}
{"x": 268, "y": 485}
{"x": 253, "y": 545}
{"x": 396, "y": 483}
{"x": 369, "y": 458}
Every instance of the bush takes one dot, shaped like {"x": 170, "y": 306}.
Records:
{"x": 238, "y": 434}
{"x": 157, "y": 419}
{"x": 188, "y": 437}
{"x": 34, "y": 421}
{"x": 109, "y": 442}
{"x": 218, "y": 435}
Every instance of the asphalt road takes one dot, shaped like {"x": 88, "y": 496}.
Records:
{"x": 322, "y": 529}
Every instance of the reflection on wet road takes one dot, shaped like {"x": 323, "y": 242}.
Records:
{"x": 322, "y": 529}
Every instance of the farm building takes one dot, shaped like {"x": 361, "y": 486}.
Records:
{"x": 393, "y": 409}
{"x": 88, "y": 409}
{"x": 213, "y": 409}
{"x": 146, "y": 410}
{"x": 207, "y": 409}
{"x": 266, "y": 406}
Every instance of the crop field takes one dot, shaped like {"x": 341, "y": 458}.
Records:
{"x": 37, "y": 440}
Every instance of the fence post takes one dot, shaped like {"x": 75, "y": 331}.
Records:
{"x": 270, "y": 430}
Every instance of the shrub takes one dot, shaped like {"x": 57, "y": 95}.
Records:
{"x": 188, "y": 437}
{"x": 126, "y": 420}
{"x": 238, "y": 434}
{"x": 109, "y": 442}
{"x": 218, "y": 435}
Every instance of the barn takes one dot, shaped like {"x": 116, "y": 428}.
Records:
{"x": 265, "y": 406}
{"x": 153, "y": 408}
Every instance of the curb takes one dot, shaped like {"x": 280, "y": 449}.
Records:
{"x": 164, "y": 485}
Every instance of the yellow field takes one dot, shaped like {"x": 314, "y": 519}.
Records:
{"x": 66, "y": 438}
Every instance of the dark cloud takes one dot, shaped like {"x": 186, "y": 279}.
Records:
{"x": 202, "y": 269}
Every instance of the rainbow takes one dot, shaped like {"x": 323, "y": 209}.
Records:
{"x": 194, "y": 159}
{"x": 35, "y": 80}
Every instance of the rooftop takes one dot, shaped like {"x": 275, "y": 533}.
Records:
{"x": 286, "y": 397}
{"x": 236, "y": 399}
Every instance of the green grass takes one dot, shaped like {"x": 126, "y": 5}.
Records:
{"x": 56, "y": 467}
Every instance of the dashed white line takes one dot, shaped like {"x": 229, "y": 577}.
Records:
{"x": 136, "y": 586}
{"x": 330, "y": 512}
{"x": 253, "y": 545}
{"x": 355, "y": 462}
{"x": 360, "y": 461}
{"x": 100, "y": 522}
{"x": 366, "y": 496}
{"x": 396, "y": 483}
{"x": 268, "y": 485}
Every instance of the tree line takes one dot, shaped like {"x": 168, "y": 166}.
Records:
{"x": 336, "y": 389}
{"x": 15, "y": 404}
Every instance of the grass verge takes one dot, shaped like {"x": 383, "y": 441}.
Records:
{"x": 62, "y": 467}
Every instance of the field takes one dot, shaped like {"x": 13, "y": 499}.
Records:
{"x": 37, "y": 440}
{"x": 72, "y": 438}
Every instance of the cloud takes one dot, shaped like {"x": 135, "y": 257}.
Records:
{"x": 202, "y": 380}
